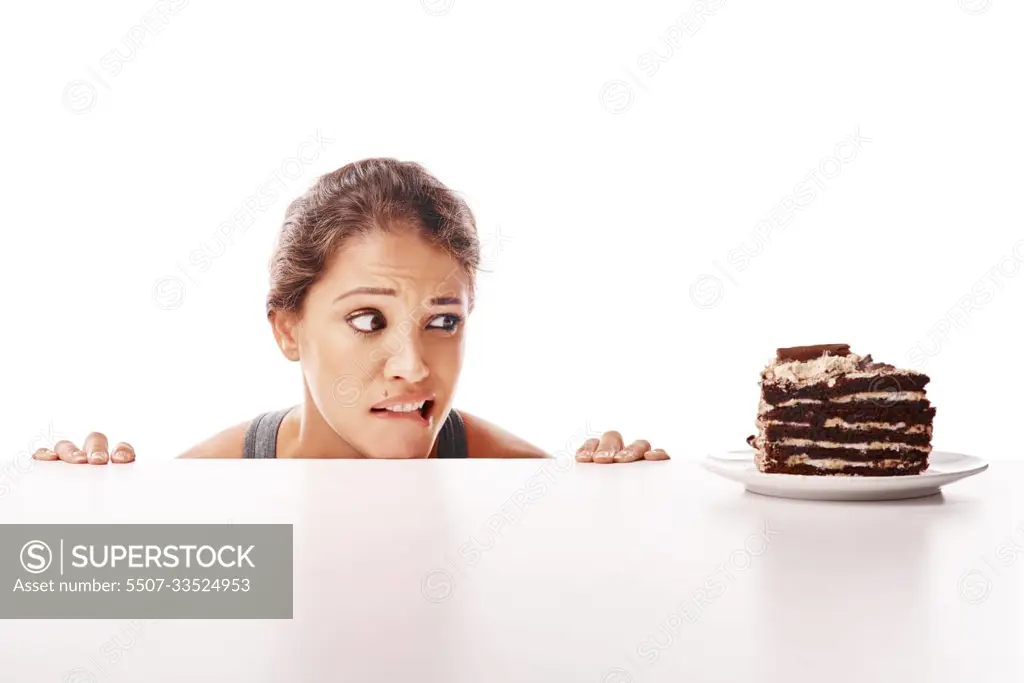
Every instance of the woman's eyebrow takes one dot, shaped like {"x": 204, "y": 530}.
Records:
{"x": 387, "y": 291}
{"x": 384, "y": 291}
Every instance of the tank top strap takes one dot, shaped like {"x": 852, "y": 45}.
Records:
{"x": 261, "y": 434}
{"x": 451, "y": 442}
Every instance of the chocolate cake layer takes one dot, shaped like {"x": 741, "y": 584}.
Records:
{"x": 874, "y": 410}
{"x": 779, "y": 452}
{"x": 774, "y": 432}
{"x": 778, "y": 392}
{"x": 914, "y": 468}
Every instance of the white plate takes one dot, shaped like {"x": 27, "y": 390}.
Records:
{"x": 943, "y": 468}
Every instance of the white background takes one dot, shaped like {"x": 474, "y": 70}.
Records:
{"x": 615, "y": 191}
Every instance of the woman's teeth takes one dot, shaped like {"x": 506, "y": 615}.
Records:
{"x": 406, "y": 407}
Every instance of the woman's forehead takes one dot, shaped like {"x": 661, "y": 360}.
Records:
{"x": 403, "y": 259}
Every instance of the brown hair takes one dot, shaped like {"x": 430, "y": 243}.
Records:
{"x": 359, "y": 198}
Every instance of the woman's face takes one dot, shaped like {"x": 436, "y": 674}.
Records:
{"x": 381, "y": 342}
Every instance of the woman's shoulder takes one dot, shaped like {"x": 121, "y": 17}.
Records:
{"x": 227, "y": 443}
{"x": 487, "y": 440}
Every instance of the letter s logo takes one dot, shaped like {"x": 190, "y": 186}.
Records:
{"x": 36, "y": 557}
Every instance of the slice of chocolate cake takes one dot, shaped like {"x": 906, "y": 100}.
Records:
{"x": 827, "y": 411}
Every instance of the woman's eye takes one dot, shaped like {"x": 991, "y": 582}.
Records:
{"x": 367, "y": 322}
{"x": 449, "y": 322}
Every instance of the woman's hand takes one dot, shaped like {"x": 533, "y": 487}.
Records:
{"x": 609, "y": 449}
{"x": 94, "y": 451}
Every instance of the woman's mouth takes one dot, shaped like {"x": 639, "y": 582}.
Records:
{"x": 417, "y": 411}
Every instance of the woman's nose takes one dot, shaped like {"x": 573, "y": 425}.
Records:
{"x": 407, "y": 361}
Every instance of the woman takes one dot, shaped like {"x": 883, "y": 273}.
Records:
{"x": 371, "y": 282}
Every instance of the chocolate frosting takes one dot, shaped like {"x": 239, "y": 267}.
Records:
{"x": 802, "y": 353}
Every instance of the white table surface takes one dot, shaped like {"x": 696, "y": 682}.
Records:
{"x": 583, "y": 584}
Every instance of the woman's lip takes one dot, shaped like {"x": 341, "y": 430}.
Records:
{"x": 413, "y": 416}
{"x": 405, "y": 400}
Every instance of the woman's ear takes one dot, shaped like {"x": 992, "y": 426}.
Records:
{"x": 285, "y": 326}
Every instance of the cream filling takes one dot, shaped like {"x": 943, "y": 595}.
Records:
{"x": 898, "y": 426}
{"x": 871, "y": 446}
{"x": 825, "y": 368}
{"x": 871, "y": 395}
{"x": 849, "y": 398}
{"x": 799, "y": 371}
{"x": 838, "y": 422}
{"x": 797, "y": 401}
{"x": 839, "y": 463}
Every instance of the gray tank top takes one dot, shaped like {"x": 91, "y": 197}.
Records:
{"x": 261, "y": 435}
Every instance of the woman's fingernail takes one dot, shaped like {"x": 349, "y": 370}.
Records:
{"x": 603, "y": 455}
{"x": 79, "y": 456}
{"x": 98, "y": 456}
{"x": 119, "y": 456}
{"x": 621, "y": 455}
